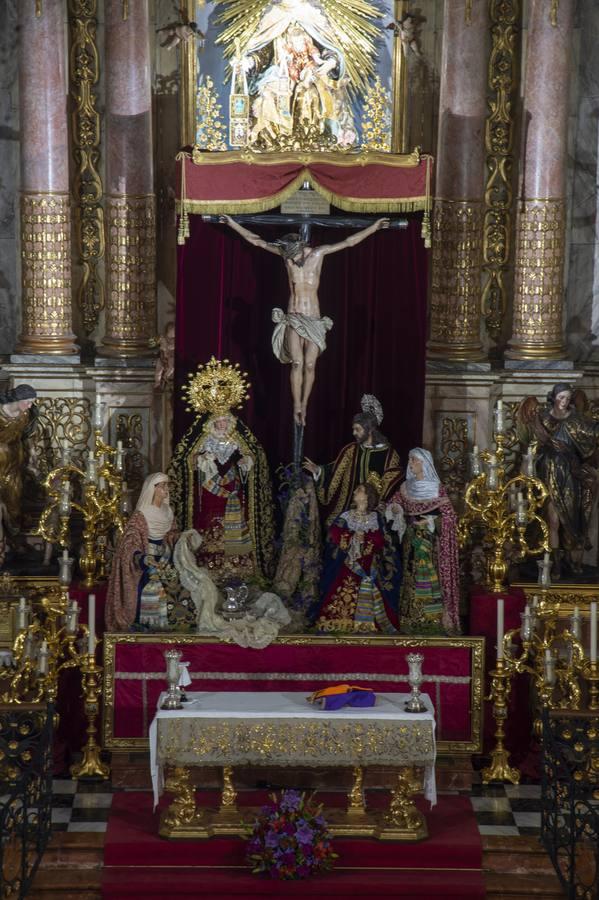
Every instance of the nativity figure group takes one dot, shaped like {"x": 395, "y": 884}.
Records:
{"x": 362, "y": 550}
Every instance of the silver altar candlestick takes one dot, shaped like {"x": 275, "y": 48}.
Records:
{"x": 65, "y": 569}
{"x": 415, "y": 679}
{"x": 172, "y": 699}
{"x": 544, "y": 566}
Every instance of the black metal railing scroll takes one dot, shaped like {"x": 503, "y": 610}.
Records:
{"x": 570, "y": 800}
{"x": 25, "y": 793}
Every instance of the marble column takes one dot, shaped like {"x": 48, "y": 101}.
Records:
{"x": 130, "y": 200}
{"x": 537, "y": 329}
{"x": 460, "y": 182}
{"x": 46, "y": 325}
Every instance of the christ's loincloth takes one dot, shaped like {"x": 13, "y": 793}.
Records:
{"x": 307, "y": 327}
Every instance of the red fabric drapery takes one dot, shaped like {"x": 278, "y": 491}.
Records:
{"x": 235, "y": 183}
{"x": 376, "y": 295}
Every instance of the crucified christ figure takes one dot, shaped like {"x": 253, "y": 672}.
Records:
{"x": 299, "y": 336}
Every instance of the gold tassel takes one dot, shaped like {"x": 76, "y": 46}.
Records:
{"x": 125, "y": 10}
{"x": 183, "y": 231}
{"x": 468, "y": 12}
{"x": 38, "y": 8}
{"x": 425, "y": 231}
{"x": 553, "y": 13}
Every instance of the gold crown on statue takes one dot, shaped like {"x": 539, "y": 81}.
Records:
{"x": 217, "y": 387}
{"x": 376, "y": 481}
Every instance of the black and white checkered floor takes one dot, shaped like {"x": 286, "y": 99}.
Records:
{"x": 500, "y": 809}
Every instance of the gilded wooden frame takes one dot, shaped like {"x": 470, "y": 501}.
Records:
{"x": 189, "y": 72}
{"x": 476, "y": 645}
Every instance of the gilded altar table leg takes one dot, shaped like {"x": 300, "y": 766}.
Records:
{"x": 182, "y": 819}
{"x": 354, "y": 821}
{"x": 227, "y": 819}
{"x": 403, "y": 822}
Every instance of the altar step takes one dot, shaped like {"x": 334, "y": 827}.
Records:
{"x": 515, "y": 868}
{"x": 518, "y": 868}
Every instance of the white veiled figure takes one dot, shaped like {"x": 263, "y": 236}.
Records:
{"x": 198, "y": 582}
{"x": 257, "y": 629}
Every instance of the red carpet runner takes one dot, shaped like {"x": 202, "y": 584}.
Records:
{"x": 137, "y": 862}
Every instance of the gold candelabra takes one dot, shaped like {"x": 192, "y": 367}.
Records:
{"x": 553, "y": 657}
{"x": 101, "y": 501}
{"x": 51, "y": 640}
{"x": 507, "y": 509}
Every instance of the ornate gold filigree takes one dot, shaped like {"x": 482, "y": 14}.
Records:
{"x": 62, "y": 423}
{"x": 211, "y": 130}
{"x": 455, "y": 297}
{"x": 403, "y": 821}
{"x": 499, "y": 136}
{"x": 89, "y": 219}
{"x": 217, "y": 387}
{"x": 376, "y": 118}
{"x": 183, "y": 810}
{"x": 538, "y": 280}
{"x": 131, "y": 305}
{"x": 46, "y": 274}
{"x": 453, "y": 464}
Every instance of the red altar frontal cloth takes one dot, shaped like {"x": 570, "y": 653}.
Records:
{"x": 483, "y": 621}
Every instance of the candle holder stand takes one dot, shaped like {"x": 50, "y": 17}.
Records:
{"x": 91, "y": 765}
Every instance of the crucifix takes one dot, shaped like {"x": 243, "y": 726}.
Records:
{"x": 299, "y": 335}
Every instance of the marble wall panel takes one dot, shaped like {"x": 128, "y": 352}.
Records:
{"x": 582, "y": 274}
{"x": 9, "y": 167}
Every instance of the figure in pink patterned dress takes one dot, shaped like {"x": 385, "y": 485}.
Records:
{"x": 422, "y": 511}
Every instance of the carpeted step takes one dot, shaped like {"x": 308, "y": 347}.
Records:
{"x": 120, "y": 883}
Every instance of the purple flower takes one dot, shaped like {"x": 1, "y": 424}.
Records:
{"x": 303, "y": 871}
{"x": 272, "y": 839}
{"x": 304, "y": 834}
{"x": 291, "y": 800}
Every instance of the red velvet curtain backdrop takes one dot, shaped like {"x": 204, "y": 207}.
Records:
{"x": 376, "y": 295}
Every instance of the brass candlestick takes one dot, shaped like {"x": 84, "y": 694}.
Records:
{"x": 488, "y": 504}
{"x": 100, "y": 504}
{"x": 591, "y": 674}
{"x": 500, "y": 769}
{"x": 91, "y": 766}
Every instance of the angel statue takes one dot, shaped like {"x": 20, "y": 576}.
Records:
{"x": 220, "y": 478}
{"x": 567, "y": 441}
{"x": 180, "y": 32}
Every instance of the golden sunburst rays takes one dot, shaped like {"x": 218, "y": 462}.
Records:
{"x": 217, "y": 387}
{"x": 352, "y": 28}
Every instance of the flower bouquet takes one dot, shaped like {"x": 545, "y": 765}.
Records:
{"x": 289, "y": 839}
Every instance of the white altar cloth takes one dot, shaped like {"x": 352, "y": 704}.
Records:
{"x": 226, "y": 708}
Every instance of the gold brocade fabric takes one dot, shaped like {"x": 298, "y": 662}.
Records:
{"x": 295, "y": 742}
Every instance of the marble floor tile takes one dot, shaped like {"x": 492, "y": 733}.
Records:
{"x": 528, "y": 819}
{"x": 503, "y": 817}
{"x": 490, "y": 804}
{"x": 506, "y": 830}
{"x": 523, "y": 791}
{"x": 524, "y": 805}
{"x": 92, "y": 801}
{"x": 64, "y": 786}
{"x": 87, "y": 826}
{"x": 96, "y": 814}
{"x": 61, "y": 815}
{"x": 487, "y": 790}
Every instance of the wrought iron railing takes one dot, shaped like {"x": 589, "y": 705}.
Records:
{"x": 25, "y": 793}
{"x": 570, "y": 800}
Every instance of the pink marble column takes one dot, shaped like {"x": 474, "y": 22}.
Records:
{"x": 45, "y": 207}
{"x": 130, "y": 200}
{"x": 460, "y": 183}
{"x": 537, "y": 331}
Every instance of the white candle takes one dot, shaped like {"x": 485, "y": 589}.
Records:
{"x": 546, "y": 557}
{"x": 475, "y": 450}
{"x": 500, "y": 628}
{"x": 535, "y": 601}
{"x": 99, "y": 414}
{"x": 91, "y": 620}
{"x": 44, "y": 647}
{"x": 22, "y": 604}
{"x": 119, "y": 446}
{"x": 593, "y": 647}
{"x": 499, "y": 406}
{"x": 65, "y": 554}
